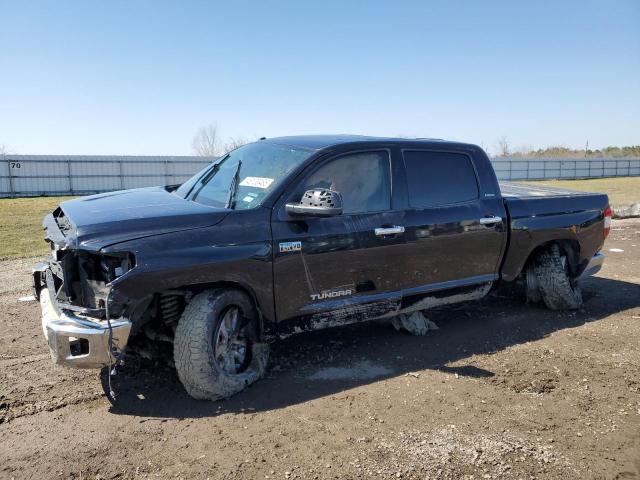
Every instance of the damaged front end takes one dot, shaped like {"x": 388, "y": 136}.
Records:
{"x": 82, "y": 327}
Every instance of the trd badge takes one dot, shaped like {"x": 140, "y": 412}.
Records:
{"x": 290, "y": 247}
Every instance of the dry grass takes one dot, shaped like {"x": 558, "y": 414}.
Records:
{"x": 622, "y": 191}
{"x": 21, "y": 233}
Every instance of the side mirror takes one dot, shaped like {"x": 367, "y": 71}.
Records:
{"x": 317, "y": 203}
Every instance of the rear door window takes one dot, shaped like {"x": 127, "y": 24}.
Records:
{"x": 439, "y": 178}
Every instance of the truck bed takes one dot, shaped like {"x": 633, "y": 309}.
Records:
{"x": 521, "y": 190}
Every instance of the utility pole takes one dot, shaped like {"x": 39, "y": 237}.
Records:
{"x": 586, "y": 149}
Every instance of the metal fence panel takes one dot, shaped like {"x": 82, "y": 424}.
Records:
{"x": 5, "y": 184}
{"x": 32, "y": 175}
{"x": 565, "y": 168}
{"x": 29, "y": 175}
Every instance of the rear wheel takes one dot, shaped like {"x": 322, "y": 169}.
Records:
{"x": 217, "y": 351}
{"x": 557, "y": 287}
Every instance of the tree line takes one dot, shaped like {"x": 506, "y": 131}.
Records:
{"x": 504, "y": 150}
{"x": 613, "y": 152}
{"x": 208, "y": 143}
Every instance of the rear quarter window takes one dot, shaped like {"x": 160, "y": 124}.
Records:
{"x": 439, "y": 178}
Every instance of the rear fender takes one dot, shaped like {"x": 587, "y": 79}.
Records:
{"x": 579, "y": 233}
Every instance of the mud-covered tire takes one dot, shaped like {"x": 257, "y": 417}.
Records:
{"x": 558, "y": 289}
{"x": 193, "y": 348}
{"x": 532, "y": 286}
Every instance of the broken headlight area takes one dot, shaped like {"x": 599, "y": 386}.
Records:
{"x": 113, "y": 266}
{"x": 81, "y": 280}
{"x": 63, "y": 222}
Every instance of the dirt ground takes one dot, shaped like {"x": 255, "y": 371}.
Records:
{"x": 501, "y": 390}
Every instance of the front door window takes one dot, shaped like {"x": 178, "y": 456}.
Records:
{"x": 362, "y": 179}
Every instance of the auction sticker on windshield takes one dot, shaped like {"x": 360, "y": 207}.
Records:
{"x": 258, "y": 182}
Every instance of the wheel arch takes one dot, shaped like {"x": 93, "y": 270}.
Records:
{"x": 569, "y": 246}
{"x": 197, "y": 288}
{"x": 148, "y": 310}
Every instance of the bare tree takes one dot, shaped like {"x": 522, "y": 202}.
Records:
{"x": 234, "y": 142}
{"x": 4, "y": 149}
{"x": 523, "y": 151}
{"x": 503, "y": 146}
{"x": 206, "y": 142}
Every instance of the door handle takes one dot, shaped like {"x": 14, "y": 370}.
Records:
{"x": 396, "y": 229}
{"x": 490, "y": 220}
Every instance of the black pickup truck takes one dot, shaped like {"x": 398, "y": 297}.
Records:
{"x": 300, "y": 233}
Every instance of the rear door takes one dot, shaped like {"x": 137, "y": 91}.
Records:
{"x": 455, "y": 234}
{"x": 341, "y": 269}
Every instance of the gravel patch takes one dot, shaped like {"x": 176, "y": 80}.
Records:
{"x": 15, "y": 275}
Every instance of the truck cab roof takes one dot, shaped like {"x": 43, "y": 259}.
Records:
{"x": 319, "y": 142}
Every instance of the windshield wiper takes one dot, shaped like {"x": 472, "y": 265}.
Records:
{"x": 204, "y": 179}
{"x": 233, "y": 188}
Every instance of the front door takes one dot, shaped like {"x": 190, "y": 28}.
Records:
{"x": 336, "y": 270}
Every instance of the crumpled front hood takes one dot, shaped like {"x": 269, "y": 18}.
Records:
{"x": 102, "y": 220}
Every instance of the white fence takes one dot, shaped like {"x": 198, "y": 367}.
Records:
{"x": 32, "y": 175}
{"x": 567, "y": 168}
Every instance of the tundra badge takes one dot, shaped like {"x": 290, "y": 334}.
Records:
{"x": 332, "y": 294}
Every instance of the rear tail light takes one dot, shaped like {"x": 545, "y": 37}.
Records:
{"x": 607, "y": 221}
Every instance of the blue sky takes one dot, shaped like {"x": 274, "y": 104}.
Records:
{"x": 125, "y": 77}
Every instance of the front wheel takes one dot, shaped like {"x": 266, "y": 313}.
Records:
{"x": 558, "y": 289}
{"x": 217, "y": 351}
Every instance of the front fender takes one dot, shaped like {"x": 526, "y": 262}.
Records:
{"x": 236, "y": 251}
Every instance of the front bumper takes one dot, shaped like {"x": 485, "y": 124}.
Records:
{"x": 594, "y": 265}
{"x": 79, "y": 341}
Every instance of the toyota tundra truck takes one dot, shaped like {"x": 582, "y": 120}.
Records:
{"x": 300, "y": 233}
